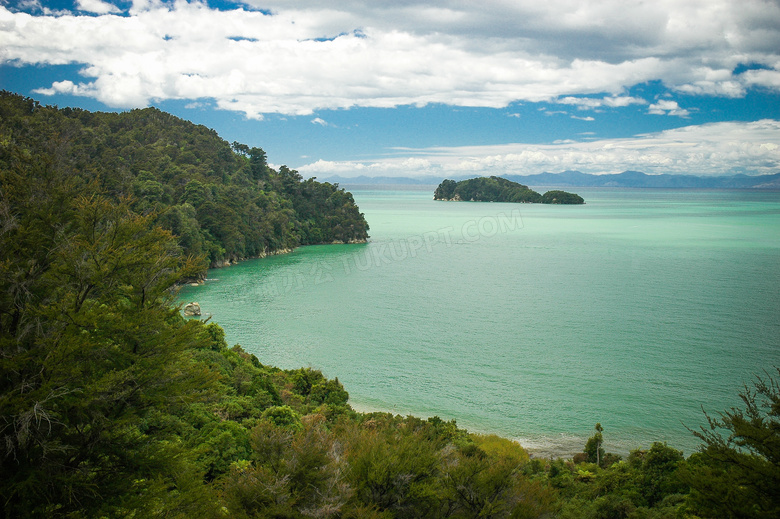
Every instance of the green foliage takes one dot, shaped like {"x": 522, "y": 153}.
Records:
{"x": 394, "y": 469}
{"x": 220, "y": 444}
{"x": 593, "y": 447}
{"x": 489, "y": 483}
{"x": 497, "y": 189}
{"x": 329, "y": 392}
{"x": 223, "y": 204}
{"x": 92, "y": 349}
{"x": 283, "y": 416}
{"x": 561, "y": 197}
{"x": 739, "y": 475}
{"x": 647, "y": 485}
{"x": 113, "y": 405}
{"x": 659, "y": 473}
{"x": 498, "y": 447}
{"x": 445, "y": 190}
{"x": 292, "y": 474}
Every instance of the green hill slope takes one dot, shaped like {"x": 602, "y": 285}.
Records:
{"x": 223, "y": 202}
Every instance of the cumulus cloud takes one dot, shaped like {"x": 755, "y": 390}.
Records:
{"x": 590, "y": 103}
{"x": 710, "y": 149}
{"x": 666, "y": 107}
{"x": 96, "y": 6}
{"x": 305, "y": 57}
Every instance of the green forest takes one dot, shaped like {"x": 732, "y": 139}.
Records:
{"x": 114, "y": 405}
{"x": 497, "y": 189}
{"x": 222, "y": 201}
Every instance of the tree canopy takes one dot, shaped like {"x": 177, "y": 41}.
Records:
{"x": 222, "y": 201}
{"x": 738, "y": 475}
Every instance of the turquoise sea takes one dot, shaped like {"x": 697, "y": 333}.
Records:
{"x": 534, "y": 322}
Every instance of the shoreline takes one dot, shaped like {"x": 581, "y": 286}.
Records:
{"x": 235, "y": 260}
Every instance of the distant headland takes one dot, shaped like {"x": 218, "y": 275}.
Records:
{"x": 497, "y": 189}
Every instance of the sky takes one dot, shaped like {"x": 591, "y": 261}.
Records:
{"x": 420, "y": 88}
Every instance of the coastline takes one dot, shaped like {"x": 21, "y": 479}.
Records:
{"x": 235, "y": 260}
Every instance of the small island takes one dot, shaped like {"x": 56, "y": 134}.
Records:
{"x": 497, "y": 189}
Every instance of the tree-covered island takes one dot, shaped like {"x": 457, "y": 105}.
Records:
{"x": 497, "y": 189}
{"x": 114, "y": 405}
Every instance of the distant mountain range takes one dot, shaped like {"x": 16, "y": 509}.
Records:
{"x": 579, "y": 179}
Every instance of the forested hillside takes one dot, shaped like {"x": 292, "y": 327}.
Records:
{"x": 113, "y": 405}
{"x": 222, "y": 201}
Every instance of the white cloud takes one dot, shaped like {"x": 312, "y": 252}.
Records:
{"x": 667, "y": 107}
{"x": 710, "y": 149}
{"x": 765, "y": 78}
{"x": 196, "y": 105}
{"x": 96, "y": 6}
{"x": 319, "y": 121}
{"x": 307, "y": 57}
{"x": 66, "y": 87}
{"x": 589, "y": 103}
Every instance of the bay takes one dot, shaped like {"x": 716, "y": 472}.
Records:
{"x": 534, "y": 322}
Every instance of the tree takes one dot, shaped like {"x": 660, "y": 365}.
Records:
{"x": 482, "y": 478}
{"x": 243, "y": 149}
{"x": 293, "y": 473}
{"x": 92, "y": 353}
{"x": 258, "y": 163}
{"x": 738, "y": 475}
{"x": 393, "y": 469}
{"x": 658, "y": 472}
{"x": 593, "y": 446}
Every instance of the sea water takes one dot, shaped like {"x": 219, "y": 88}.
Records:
{"x": 638, "y": 310}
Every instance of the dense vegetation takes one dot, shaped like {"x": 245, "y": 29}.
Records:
{"x": 113, "y": 405}
{"x": 223, "y": 202}
{"x": 497, "y": 189}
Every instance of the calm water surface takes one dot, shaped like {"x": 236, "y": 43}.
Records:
{"x": 530, "y": 321}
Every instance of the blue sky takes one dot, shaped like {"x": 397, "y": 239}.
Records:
{"x": 414, "y": 88}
